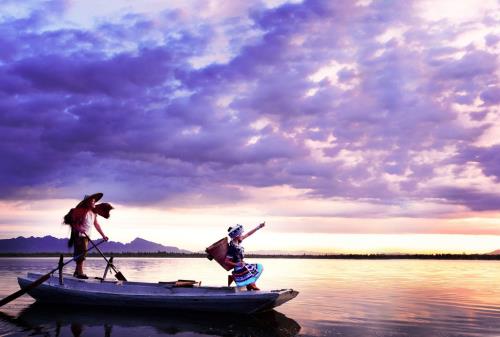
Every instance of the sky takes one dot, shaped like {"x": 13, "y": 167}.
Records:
{"x": 347, "y": 126}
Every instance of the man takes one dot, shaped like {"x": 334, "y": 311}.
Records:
{"x": 84, "y": 217}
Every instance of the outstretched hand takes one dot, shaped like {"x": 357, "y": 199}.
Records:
{"x": 262, "y": 224}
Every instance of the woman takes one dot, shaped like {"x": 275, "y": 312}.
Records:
{"x": 244, "y": 274}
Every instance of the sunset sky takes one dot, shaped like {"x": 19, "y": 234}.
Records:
{"x": 348, "y": 126}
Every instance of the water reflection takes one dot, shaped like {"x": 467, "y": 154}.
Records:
{"x": 39, "y": 319}
{"x": 400, "y": 298}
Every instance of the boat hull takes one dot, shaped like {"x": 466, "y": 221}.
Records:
{"x": 94, "y": 292}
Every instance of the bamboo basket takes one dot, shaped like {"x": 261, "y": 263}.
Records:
{"x": 218, "y": 252}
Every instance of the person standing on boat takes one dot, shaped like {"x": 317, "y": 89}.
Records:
{"x": 84, "y": 217}
{"x": 244, "y": 274}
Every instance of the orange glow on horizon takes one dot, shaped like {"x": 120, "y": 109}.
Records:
{"x": 196, "y": 228}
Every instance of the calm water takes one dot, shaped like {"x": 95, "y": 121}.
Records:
{"x": 337, "y": 298}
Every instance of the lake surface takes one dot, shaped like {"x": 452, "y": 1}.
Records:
{"x": 337, "y": 298}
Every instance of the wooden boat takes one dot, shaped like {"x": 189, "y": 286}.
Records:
{"x": 163, "y": 295}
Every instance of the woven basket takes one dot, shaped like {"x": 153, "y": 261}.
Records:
{"x": 218, "y": 252}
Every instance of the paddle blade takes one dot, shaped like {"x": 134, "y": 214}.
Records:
{"x": 119, "y": 276}
{"x": 24, "y": 290}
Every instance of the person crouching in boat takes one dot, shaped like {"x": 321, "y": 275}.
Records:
{"x": 244, "y": 274}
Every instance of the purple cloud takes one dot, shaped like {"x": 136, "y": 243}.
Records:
{"x": 123, "y": 106}
{"x": 491, "y": 96}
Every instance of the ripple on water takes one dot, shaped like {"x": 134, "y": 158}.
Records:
{"x": 337, "y": 298}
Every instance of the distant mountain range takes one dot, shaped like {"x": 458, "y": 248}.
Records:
{"x": 50, "y": 244}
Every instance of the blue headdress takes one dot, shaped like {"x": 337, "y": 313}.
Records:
{"x": 235, "y": 231}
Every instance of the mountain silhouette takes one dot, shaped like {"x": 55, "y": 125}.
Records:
{"x": 50, "y": 244}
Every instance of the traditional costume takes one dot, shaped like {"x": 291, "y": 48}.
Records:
{"x": 248, "y": 273}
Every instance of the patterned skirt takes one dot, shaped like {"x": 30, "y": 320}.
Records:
{"x": 247, "y": 274}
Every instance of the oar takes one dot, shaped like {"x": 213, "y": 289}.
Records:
{"x": 119, "y": 276}
{"x": 39, "y": 281}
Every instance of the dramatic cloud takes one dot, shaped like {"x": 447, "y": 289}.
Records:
{"x": 367, "y": 101}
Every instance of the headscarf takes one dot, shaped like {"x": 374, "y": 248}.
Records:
{"x": 235, "y": 231}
